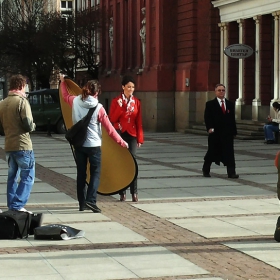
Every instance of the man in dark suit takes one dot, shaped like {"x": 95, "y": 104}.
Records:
{"x": 219, "y": 118}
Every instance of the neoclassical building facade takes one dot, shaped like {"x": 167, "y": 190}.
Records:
{"x": 254, "y": 81}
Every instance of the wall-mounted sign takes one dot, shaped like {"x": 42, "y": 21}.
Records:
{"x": 238, "y": 51}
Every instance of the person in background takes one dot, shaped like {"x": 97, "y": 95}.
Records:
{"x": 126, "y": 116}
{"x": 91, "y": 149}
{"x": 219, "y": 118}
{"x": 16, "y": 122}
{"x": 273, "y": 125}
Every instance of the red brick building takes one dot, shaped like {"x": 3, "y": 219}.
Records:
{"x": 181, "y": 64}
{"x": 183, "y": 56}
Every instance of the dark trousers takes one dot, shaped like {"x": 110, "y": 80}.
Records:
{"x": 132, "y": 143}
{"x": 207, "y": 165}
{"x": 83, "y": 155}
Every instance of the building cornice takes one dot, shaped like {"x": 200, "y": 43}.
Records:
{"x": 219, "y": 3}
{"x": 232, "y": 10}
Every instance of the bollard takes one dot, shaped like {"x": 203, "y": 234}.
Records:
{"x": 49, "y": 127}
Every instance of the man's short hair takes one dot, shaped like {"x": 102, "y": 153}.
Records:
{"x": 219, "y": 85}
{"x": 17, "y": 82}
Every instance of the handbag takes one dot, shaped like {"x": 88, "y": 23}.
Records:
{"x": 57, "y": 232}
{"x": 77, "y": 134}
{"x": 14, "y": 224}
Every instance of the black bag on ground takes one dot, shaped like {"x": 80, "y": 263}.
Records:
{"x": 277, "y": 231}
{"x": 77, "y": 134}
{"x": 36, "y": 221}
{"x": 57, "y": 232}
{"x": 14, "y": 224}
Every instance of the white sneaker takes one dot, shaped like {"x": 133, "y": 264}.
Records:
{"x": 24, "y": 210}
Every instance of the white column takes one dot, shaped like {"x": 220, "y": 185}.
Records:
{"x": 276, "y": 56}
{"x": 240, "y": 101}
{"x": 225, "y": 82}
{"x": 256, "y": 101}
{"x": 221, "y": 53}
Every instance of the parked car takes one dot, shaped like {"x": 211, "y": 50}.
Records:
{"x": 45, "y": 106}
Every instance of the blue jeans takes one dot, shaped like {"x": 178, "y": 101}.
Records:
{"x": 83, "y": 155}
{"x": 21, "y": 164}
{"x": 268, "y": 131}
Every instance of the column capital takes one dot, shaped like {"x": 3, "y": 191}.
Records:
{"x": 240, "y": 22}
{"x": 222, "y": 24}
{"x": 276, "y": 14}
{"x": 257, "y": 19}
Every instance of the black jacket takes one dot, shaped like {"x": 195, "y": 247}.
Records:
{"x": 220, "y": 143}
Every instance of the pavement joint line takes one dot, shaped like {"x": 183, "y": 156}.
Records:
{"x": 75, "y": 247}
{"x": 214, "y": 175}
{"x": 210, "y": 254}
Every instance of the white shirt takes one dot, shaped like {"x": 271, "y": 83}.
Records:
{"x": 220, "y": 102}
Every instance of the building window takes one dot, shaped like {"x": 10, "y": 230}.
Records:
{"x": 66, "y": 4}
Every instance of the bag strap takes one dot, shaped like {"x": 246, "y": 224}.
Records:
{"x": 89, "y": 114}
{"x": 91, "y": 111}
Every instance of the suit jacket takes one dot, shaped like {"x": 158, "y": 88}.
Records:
{"x": 220, "y": 142}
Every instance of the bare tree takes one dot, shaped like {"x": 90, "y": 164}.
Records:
{"x": 33, "y": 40}
{"x": 88, "y": 24}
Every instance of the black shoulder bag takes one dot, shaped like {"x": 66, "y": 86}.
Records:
{"x": 77, "y": 134}
{"x": 14, "y": 224}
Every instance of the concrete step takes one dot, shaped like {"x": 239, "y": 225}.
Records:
{"x": 250, "y": 122}
{"x": 247, "y": 130}
{"x": 243, "y": 135}
{"x": 249, "y": 127}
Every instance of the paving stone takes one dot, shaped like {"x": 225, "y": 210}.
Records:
{"x": 184, "y": 226}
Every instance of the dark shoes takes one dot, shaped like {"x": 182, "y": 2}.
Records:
{"x": 122, "y": 197}
{"x": 233, "y": 176}
{"x": 269, "y": 142}
{"x": 134, "y": 197}
{"x": 84, "y": 207}
{"x": 205, "y": 174}
{"x": 92, "y": 207}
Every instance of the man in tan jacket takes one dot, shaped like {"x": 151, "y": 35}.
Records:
{"x": 16, "y": 122}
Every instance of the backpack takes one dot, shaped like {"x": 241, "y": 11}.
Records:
{"x": 77, "y": 134}
{"x": 14, "y": 224}
{"x": 277, "y": 231}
